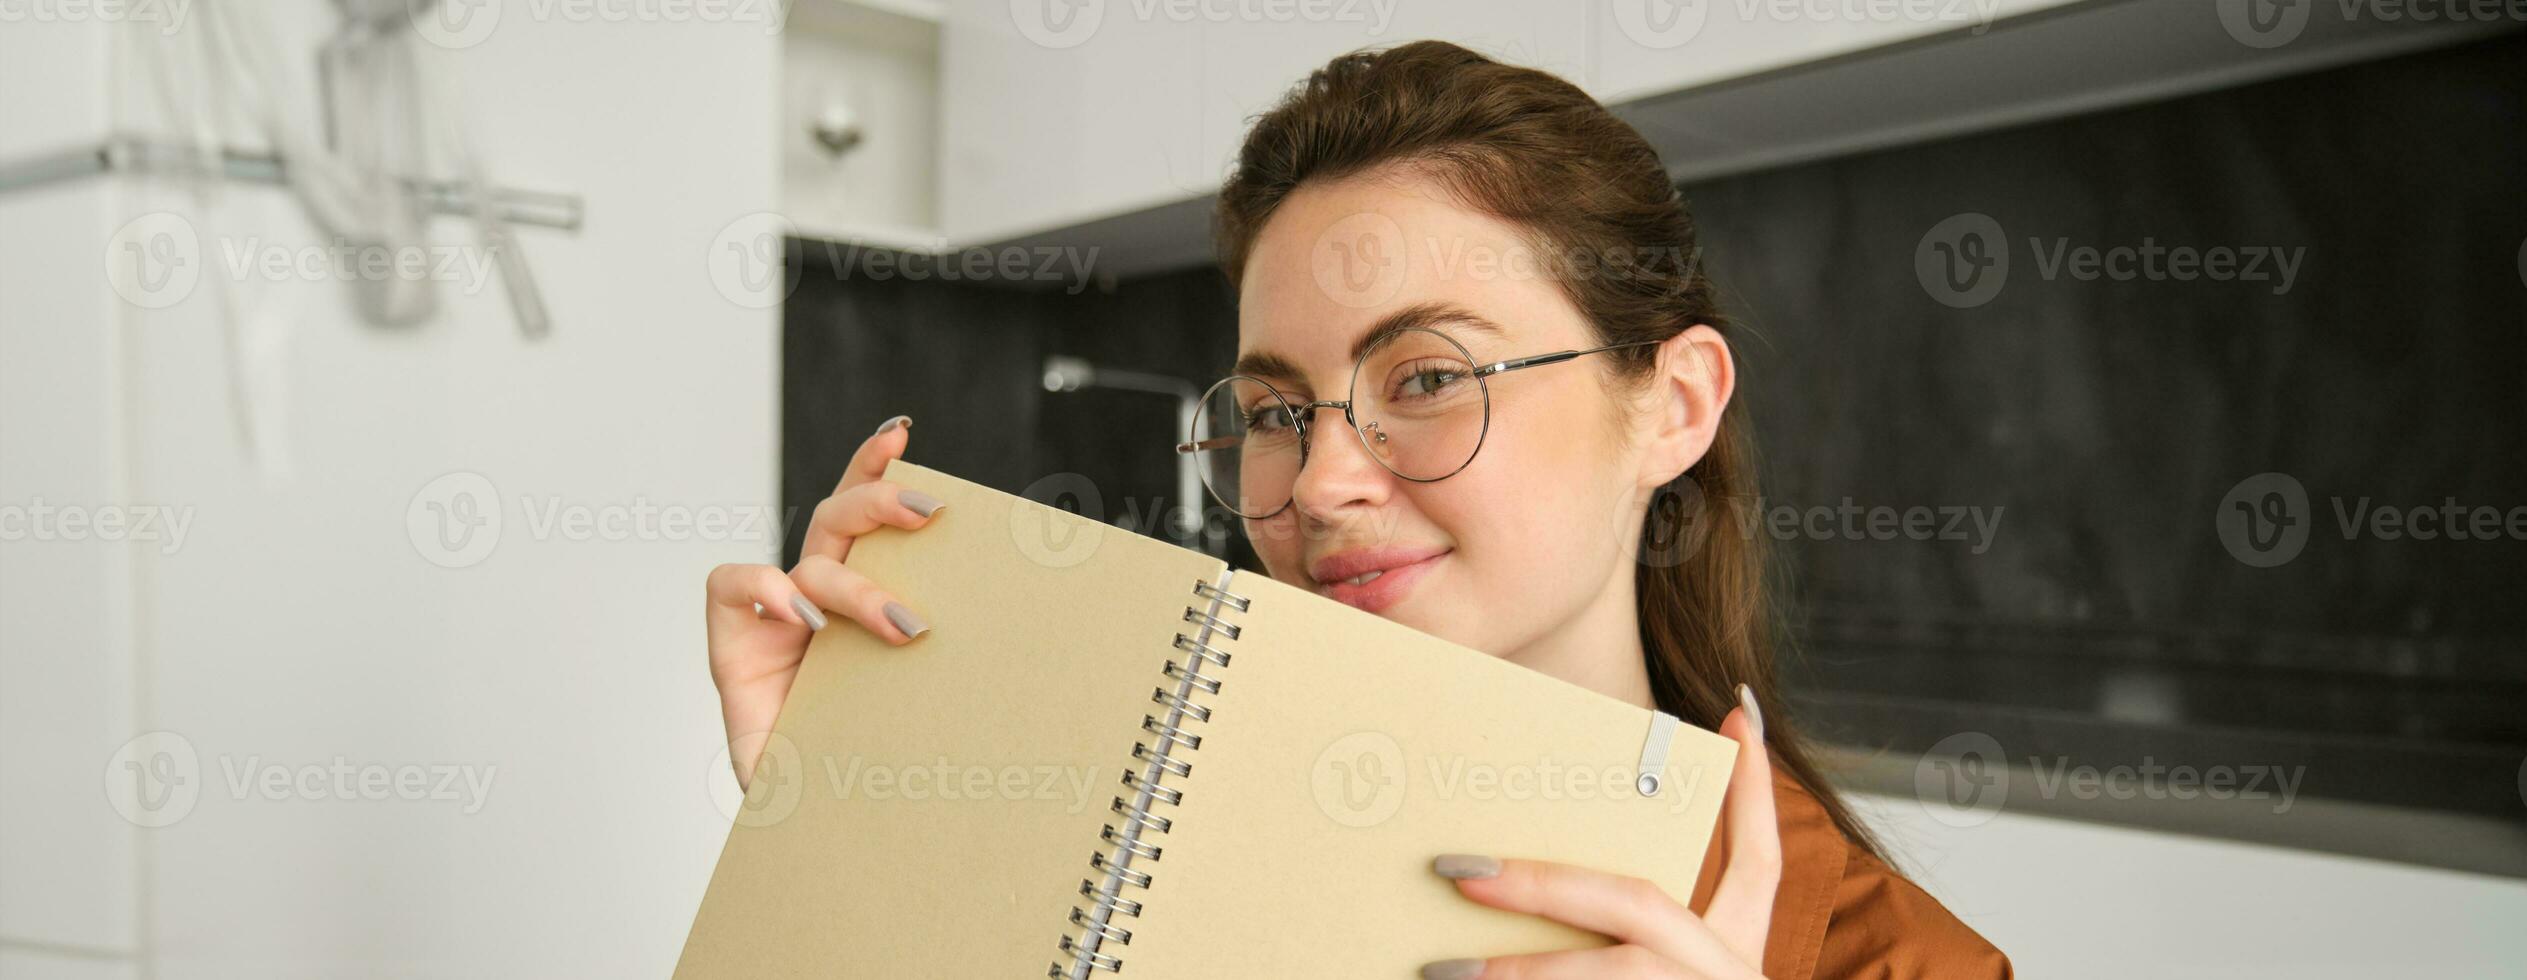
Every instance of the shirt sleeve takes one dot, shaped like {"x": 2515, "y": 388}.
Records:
{"x": 1840, "y": 913}
{"x": 1885, "y": 927}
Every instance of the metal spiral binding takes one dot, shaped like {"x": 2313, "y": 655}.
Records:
{"x": 1158, "y": 758}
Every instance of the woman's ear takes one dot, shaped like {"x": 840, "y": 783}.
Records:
{"x": 1690, "y": 390}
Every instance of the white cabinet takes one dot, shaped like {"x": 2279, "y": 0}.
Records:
{"x": 1060, "y": 113}
{"x": 857, "y": 129}
{"x": 1106, "y": 123}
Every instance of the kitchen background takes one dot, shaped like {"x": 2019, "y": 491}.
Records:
{"x": 415, "y": 543}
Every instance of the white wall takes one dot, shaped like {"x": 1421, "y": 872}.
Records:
{"x": 301, "y": 620}
{"x": 66, "y": 862}
{"x": 2068, "y": 899}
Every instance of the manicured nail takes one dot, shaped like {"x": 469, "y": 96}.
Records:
{"x": 1452, "y": 970}
{"x": 1754, "y": 713}
{"x": 921, "y": 503}
{"x": 1465, "y": 866}
{"x": 898, "y": 422}
{"x": 807, "y": 611}
{"x": 905, "y": 620}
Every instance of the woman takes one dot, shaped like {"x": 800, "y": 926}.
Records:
{"x": 1405, "y": 231}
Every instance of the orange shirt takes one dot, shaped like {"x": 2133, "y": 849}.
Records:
{"x": 1841, "y": 913}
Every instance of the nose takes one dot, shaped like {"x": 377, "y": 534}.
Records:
{"x": 1339, "y": 471}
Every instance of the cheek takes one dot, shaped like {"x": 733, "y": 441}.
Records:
{"x": 1540, "y": 502}
{"x": 1276, "y": 541}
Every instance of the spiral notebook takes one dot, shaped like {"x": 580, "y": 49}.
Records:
{"x": 1114, "y": 754}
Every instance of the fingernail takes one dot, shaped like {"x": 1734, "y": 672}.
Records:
{"x": 807, "y": 611}
{"x": 890, "y": 425}
{"x": 921, "y": 503}
{"x": 1754, "y": 713}
{"x": 905, "y": 620}
{"x": 1463, "y": 866}
{"x": 1452, "y": 970}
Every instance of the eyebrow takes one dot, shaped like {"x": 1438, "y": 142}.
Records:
{"x": 1265, "y": 364}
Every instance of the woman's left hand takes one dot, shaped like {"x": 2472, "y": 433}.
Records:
{"x": 1655, "y": 935}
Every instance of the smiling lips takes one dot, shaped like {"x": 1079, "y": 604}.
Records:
{"x": 1372, "y": 579}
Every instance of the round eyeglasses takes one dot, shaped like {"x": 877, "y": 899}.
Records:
{"x": 1418, "y": 402}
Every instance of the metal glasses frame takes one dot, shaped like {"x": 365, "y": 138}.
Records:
{"x": 1303, "y": 413}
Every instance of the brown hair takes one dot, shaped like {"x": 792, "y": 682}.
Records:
{"x": 1533, "y": 150}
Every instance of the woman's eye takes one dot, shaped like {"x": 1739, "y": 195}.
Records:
{"x": 1428, "y": 381}
{"x": 1267, "y": 419}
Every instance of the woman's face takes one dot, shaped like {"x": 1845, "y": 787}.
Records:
{"x": 1539, "y": 526}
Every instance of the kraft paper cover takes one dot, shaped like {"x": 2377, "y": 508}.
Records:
{"x": 1048, "y": 635}
{"x": 1344, "y": 752}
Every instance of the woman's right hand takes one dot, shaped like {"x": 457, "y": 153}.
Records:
{"x": 760, "y": 619}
